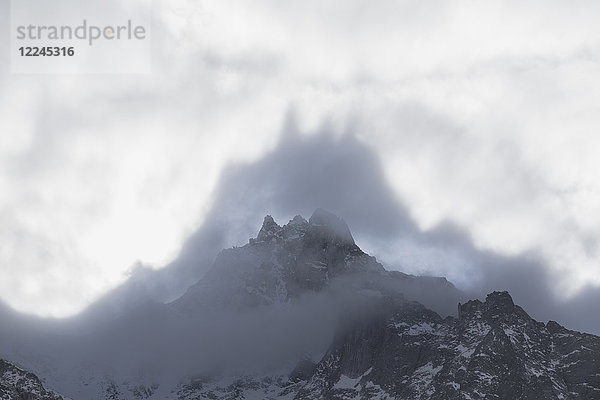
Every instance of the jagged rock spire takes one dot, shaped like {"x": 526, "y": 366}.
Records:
{"x": 501, "y": 302}
{"x": 269, "y": 229}
{"x": 322, "y": 224}
{"x": 332, "y": 224}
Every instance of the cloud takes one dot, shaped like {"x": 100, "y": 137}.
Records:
{"x": 345, "y": 175}
{"x": 482, "y": 115}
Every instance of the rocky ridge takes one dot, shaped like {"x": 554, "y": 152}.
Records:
{"x": 397, "y": 336}
{"x": 285, "y": 262}
{"x": 395, "y": 348}
{"x": 402, "y": 350}
{"x": 492, "y": 350}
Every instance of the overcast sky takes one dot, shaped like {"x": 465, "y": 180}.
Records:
{"x": 478, "y": 114}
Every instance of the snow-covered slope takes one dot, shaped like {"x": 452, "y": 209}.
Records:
{"x": 18, "y": 384}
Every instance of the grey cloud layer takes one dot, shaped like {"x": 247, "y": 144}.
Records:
{"x": 345, "y": 176}
{"x": 472, "y": 119}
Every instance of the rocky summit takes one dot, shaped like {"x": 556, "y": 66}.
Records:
{"x": 393, "y": 335}
{"x": 286, "y": 262}
{"x": 402, "y": 350}
{"x": 394, "y": 347}
{"x": 492, "y": 350}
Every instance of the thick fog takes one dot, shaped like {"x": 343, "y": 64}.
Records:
{"x": 140, "y": 332}
{"x": 473, "y": 124}
{"x": 466, "y": 157}
{"x": 159, "y": 344}
{"x": 344, "y": 176}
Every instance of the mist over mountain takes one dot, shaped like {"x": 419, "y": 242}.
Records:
{"x": 302, "y": 312}
{"x": 344, "y": 175}
{"x": 299, "y": 200}
{"x": 270, "y": 317}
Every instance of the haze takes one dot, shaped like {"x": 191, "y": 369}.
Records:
{"x": 461, "y": 134}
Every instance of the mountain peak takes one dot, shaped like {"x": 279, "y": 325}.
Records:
{"x": 501, "y": 301}
{"x": 332, "y": 224}
{"x": 496, "y": 304}
{"x": 298, "y": 220}
{"x": 268, "y": 230}
{"x": 322, "y": 224}
{"x": 554, "y": 327}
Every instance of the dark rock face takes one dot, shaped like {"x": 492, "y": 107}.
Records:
{"x": 393, "y": 348}
{"x": 17, "y": 384}
{"x": 493, "y": 350}
{"x": 303, "y": 370}
{"x": 330, "y": 228}
{"x": 399, "y": 349}
{"x": 579, "y": 362}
